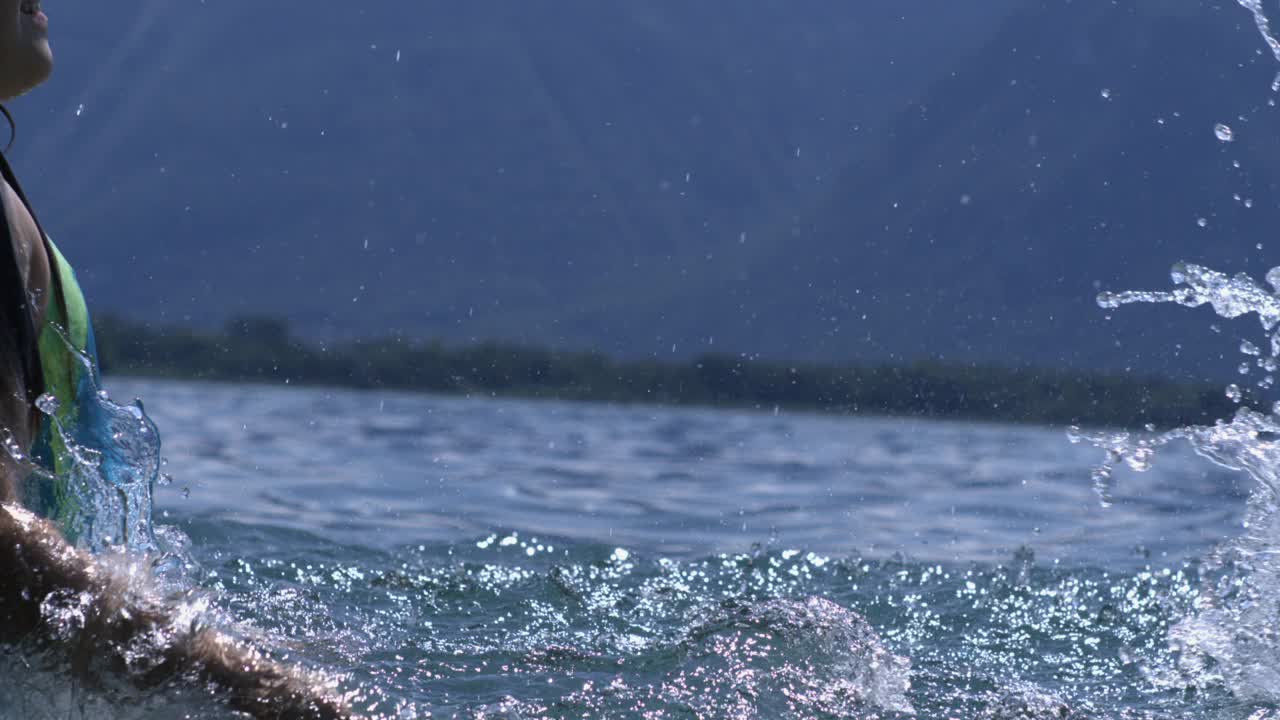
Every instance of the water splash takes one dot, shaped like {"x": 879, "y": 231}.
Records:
{"x": 845, "y": 665}
{"x": 108, "y": 460}
{"x": 1264, "y": 28}
{"x": 1230, "y": 638}
{"x": 1230, "y": 297}
{"x": 1239, "y": 443}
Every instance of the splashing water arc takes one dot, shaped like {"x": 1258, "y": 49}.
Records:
{"x": 1230, "y": 636}
{"x": 108, "y": 457}
{"x": 1264, "y": 29}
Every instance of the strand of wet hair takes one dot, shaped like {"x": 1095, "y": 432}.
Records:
{"x": 13, "y": 127}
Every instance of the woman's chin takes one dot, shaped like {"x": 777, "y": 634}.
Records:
{"x": 42, "y": 60}
{"x": 27, "y": 73}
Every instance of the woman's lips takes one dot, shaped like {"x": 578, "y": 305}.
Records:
{"x": 39, "y": 19}
{"x": 37, "y": 14}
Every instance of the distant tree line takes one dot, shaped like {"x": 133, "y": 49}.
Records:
{"x": 261, "y": 349}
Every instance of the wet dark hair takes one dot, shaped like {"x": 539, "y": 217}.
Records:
{"x": 20, "y": 370}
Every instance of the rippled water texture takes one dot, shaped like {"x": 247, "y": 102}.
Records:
{"x": 388, "y": 469}
{"x": 481, "y": 558}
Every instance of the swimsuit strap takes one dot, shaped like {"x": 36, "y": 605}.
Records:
{"x": 18, "y": 333}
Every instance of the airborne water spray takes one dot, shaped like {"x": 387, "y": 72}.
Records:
{"x": 108, "y": 463}
{"x": 1230, "y": 638}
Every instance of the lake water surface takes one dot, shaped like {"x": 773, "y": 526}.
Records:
{"x": 473, "y": 557}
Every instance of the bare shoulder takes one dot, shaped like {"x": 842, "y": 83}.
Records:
{"x": 34, "y": 267}
{"x": 28, "y": 247}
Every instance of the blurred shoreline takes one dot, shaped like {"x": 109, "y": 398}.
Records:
{"x": 263, "y": 350}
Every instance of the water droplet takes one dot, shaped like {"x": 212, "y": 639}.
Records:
{"x": 1244, "y": 368}
{"x": 47, "y": 404}
{"x": 1233, "y": 393}
{"x": 1106, "y": 93}
{"x": 1249, "y": 348}
{"x": 1273, "y": 278}
{"x": 1202, "y": 222}
{"x": 1103, "y": 482}
{"x": 1224, "y": 132}
{"x": 80, "y": 110}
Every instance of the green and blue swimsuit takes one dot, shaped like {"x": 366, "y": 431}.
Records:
{"x": 59, "y": 360}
